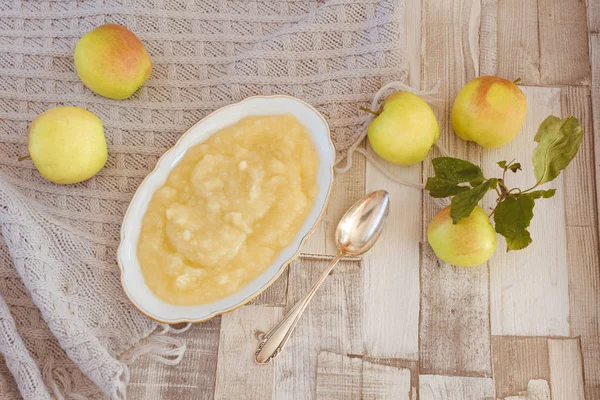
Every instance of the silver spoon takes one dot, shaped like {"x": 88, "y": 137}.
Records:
{"x": 356, "y": 233}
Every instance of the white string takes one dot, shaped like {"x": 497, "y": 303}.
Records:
{"x": 428, "y": 96}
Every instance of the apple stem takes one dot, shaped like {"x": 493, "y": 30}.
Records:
{"x": 369, "y": 111}
{"x": 27, "y": 157}
{"x": 517, "y": 81}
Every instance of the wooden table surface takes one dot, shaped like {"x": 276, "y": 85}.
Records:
{"x": 399, "y": 324}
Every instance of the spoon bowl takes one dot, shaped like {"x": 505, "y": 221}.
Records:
{"x": 361, "y": 225}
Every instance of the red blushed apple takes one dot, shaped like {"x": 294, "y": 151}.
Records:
{"x": 112, "y": 61}
{"x": 489, "y": 111}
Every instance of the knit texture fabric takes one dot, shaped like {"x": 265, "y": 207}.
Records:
{"x": 64, "y": 319}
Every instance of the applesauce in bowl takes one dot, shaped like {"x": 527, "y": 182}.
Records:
{"x": 239, "y": 210}
{"x": 227, "y": 208}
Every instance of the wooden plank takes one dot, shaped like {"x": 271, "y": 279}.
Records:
{"x": 454, "y": 318}
{"x": 537, "y": 389}
{"x": 437, "y": 387}
{"x": 518, "y": 360}
{"x": 392, "y": 315}
{"x": 566, "y": 369}
{"x": 384, "y": 382}
{"x": 579, "y": 184}
{"x": 342, "y": 377}
{"x": 518, "y": 41}
{"x": 238, "y": 374}
{"x": 193, "y": 377}
{"x": 455, "y": 330}
{"x": 595, "y": 54}
{"x": 338, "y": 377}
{"x": 412, "y": 27}
{"x": 488, "y": 37}
{"x": 593, "y": 15}
{"x": 584, "y": 297}
{"x": 592, "y": 393}
{"x": 276, "y": 294}
{"x": 332, "y": 322}
{"x": 563, "y": 36}
{"x": 529, "y": 288}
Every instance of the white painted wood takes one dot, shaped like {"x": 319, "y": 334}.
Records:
{"x": 566, "y": 369}
{"x": 438, "y": 387}
{"x": 238, "y": 374}
{"x": 537, "y": 389}
{"x": 391, "y": 270}
{"x": 529, "y": 288}
{"x": 383, "y": 382}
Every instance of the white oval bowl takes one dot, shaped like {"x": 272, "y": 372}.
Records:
{"x": 132, "y": 278}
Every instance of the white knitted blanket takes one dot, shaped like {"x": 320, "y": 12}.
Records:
{"x": 66, "y": 328}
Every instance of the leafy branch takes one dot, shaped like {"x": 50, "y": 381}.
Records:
{"x": 558, "y": 142}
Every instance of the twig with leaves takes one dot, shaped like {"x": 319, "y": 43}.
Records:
{"x": 558, "y": 142}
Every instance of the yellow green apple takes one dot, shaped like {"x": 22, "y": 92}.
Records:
{"x": 67, "y": 144}
{"x": 470, "y": 242}
{"x": 489, "y": 111}
{"x": 112, "y": 61}
{"x": 404, "y": 129}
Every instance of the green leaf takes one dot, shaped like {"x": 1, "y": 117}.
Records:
{"x": 559, "y": 141}
{"x": 456, "y": 170}
{"x": 537, "y": 194}
{"x": 464, "y": 203}
{"x": 502, "y": 164}
{"x": 511, "y": 219}
{"x": 449, "y": 173}
{"x": 439, "y": 187}
{"x": 515, "y": 167}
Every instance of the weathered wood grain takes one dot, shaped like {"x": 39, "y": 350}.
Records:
{"x": 595, "y": 55}
{"x": 391, "y": 315}
{"x": 391, "y": 270}
{"x": 437, "y": 387}
{"x": 564, "y": 55}
{"x": 342, "y": 377}
{"x": 579, "y": 182}
{"x": 331, "y": 322}
{"x": 412, "y": 32}
{"x": 338, "y": 377}
{"x": 239, "y": 376}
{"x": 195, "y": 375}
{"x": 566, "y": 369}
{"x": 529, "y": 288}
{"x": 518, "y": 41}
{"x": 584, "y": 297}
{"x": 488, "y": 37}
{"x": 537, "y": 389}
{"x": 593, "y": 15}
{"x": 454, "y": 320}
{"x": 384, "y": 382}
{"x": 276, "y": 294}
{"x": 518, "y": 360}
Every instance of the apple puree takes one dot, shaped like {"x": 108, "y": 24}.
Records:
{"x": 227, "y": 209}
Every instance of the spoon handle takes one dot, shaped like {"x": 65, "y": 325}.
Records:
{"x": 274, "y": 341}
